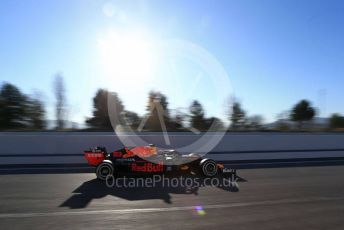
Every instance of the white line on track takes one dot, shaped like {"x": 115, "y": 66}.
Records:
{"x": 168, "y": 209}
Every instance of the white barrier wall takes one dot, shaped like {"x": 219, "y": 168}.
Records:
{"x": 56, "y": 148}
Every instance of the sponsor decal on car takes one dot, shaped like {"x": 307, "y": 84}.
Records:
{"x": 147, "y": 167}
{"x": 125, "y": 160}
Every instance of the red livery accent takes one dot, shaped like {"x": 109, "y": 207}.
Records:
{"x": 117, "y": 154}
{"x": 128, "y": 154}
{"x": 147, "y": 167}
{"x": 94, "y": 159}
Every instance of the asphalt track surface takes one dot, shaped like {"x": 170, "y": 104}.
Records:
{"x": 273, "y": 198}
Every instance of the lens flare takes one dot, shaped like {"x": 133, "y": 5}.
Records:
{"x": 200, "y": 211}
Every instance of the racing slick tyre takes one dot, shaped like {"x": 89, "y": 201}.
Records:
{"x": 208, "y": 167}
{"x": 104, "y": 169}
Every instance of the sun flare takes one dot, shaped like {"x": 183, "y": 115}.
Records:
{"x": 126, "y": 57}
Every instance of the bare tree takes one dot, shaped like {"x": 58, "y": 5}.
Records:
{"x": 60, "y": 109}
{"x": 198, "y": 120}
{"x": 237, "y": 117}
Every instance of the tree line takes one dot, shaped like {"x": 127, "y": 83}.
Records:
{"x": 158, "y": 115}
{"x": 19, "y": 111}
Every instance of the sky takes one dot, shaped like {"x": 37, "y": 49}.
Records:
{"x": 268, "y": 54}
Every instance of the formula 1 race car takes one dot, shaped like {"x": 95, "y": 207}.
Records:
{"x": 150, "y": 159}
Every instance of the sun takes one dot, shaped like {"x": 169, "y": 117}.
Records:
{"x": 126, "y": 57}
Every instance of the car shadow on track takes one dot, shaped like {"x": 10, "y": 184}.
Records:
{"x": 96, "y": 189}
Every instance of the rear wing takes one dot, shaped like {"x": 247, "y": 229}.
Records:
{"x": 95, "y": 156}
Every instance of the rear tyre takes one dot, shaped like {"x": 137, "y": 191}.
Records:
{"x": 208, "y": 167}
{"x": 104, "y": 169}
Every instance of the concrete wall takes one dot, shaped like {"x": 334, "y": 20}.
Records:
{"x": 56, "y": 148}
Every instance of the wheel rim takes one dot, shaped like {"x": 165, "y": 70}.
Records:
{"x": 104, "y": 171}
{"x": 209, "y": 169}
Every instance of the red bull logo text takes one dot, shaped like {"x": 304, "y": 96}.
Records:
{"x": 147, "y": 167}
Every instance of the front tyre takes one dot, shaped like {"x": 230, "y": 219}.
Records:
{"x": 208, "y": 167}
{"x": 104, "y": 169}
